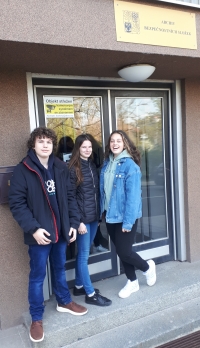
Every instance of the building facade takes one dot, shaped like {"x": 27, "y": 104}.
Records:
{"x": 59, "y": 65}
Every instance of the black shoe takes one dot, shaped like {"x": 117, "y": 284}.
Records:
{"x": 98, "y": 300}
{"x": 81, "y": 291}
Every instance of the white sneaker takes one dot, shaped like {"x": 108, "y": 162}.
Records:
{"x": 129, "y": 288}
{"x": 151, "y": 273}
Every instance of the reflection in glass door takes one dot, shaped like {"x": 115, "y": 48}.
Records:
{"x": 145, "y": 120}
{"x": 86, "y": 118}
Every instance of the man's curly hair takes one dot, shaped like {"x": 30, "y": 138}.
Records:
{"x": 42, "y": 132}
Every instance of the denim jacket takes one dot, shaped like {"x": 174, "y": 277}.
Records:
{"x": 125, "y": 203}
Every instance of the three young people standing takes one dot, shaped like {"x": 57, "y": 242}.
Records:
{"x": 50, "y": 205}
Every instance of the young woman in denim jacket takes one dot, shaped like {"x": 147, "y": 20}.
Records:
{"x": 85, "y": 183}
{"x": 120, "y": 189}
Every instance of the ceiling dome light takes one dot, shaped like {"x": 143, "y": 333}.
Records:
{"x": 136, "y": 73}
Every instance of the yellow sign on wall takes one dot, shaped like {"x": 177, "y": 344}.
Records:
{"x": 153, "y": 25}
{"x": 58, "y": 106}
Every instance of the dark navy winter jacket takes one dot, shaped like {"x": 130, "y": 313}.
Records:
{"x": 87, "y": 193}
{"x": 29, "y": 201}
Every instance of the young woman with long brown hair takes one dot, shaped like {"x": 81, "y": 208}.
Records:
{"x": 85, "y": 182}
{"x": 120, "y": 188}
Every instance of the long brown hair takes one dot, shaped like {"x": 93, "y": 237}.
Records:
{"x": 75, "y": 161}
{"x": 128, "y": 144}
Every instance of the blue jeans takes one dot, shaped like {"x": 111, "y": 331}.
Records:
{"x": 38, "y": 261}
{"x": 84, "y": 242}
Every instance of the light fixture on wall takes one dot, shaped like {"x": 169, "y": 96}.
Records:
{"x": 137, "y": 72}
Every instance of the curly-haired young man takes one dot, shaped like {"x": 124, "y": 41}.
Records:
{"x": 42, "y": 202}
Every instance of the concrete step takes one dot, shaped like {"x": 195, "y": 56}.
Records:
{"x": 178, "y": 286}
{"x": 151, "y": 331}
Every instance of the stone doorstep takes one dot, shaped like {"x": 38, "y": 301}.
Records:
{"x": 177, "y": 284}
{"x": 150, "y": 332}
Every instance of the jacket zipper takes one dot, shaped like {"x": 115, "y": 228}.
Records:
{"x": 95, "y": 196}
{"x": 54, "y": 219}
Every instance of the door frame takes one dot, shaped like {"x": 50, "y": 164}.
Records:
{"x": 160, "y": 249}
{"x": 175, "y": 119}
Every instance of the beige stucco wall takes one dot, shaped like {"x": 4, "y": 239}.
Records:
{"x": 14, "y": 130}
{"x": 77, "y": 23}
{"x": 191, "y": 143}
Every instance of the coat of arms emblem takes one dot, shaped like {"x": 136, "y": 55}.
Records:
{"x": 131, "y": 22}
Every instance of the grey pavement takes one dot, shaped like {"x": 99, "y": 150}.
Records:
{"x": 15, "y": 337}
{"x": 148, "y": 318}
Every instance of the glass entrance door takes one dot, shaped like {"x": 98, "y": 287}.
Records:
{"x": 71, "y": 112}
{"x": 144, "y": 116}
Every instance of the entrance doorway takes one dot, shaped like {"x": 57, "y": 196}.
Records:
{"x": 145, "y": 116}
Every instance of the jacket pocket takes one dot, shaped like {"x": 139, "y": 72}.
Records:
{"x": 120, "y": 193}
